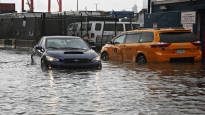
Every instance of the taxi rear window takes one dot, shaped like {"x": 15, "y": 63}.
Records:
{"x": 177, "y": 37}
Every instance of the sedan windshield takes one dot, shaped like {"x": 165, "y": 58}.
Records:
{"x": 66, "y": 43}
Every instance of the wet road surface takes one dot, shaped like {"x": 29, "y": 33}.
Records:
{"x": 117, "y": 89}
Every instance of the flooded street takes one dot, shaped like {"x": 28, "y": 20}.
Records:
{"x": 117, "y": 89}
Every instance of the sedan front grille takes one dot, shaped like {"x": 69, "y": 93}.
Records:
{"x": 76, "y": 60}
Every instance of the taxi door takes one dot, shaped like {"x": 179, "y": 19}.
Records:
{"x": 132, "y": 45}
{"x": 146, "y": 39}
{"x": 118, "y": 47}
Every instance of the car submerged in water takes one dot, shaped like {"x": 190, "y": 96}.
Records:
{"x": 64, "y": 52}
{"x": 153, "y": 45}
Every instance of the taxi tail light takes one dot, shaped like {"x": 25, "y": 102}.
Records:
{"x": 160, "y": 44}
{"x": 196, "y": 43}
{"x": 92, "y": 35}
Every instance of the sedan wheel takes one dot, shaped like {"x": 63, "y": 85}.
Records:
{"x": 44, "y": 67}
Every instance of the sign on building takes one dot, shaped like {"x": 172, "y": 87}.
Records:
{"x": 188, "y": 19}
{"x": 188, "y": 26}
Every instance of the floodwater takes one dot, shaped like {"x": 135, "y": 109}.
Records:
{"x": 117, "y": 89}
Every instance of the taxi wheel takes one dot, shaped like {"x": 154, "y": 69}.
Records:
{"x": 44, "y": 67}
{"x": 141, "y": 59}
{"x": 105, "y": 56}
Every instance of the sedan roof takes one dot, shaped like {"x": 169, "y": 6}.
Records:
{"x": 50, "y": 37}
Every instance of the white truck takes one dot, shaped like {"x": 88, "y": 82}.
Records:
{"x": 99, "y": 32}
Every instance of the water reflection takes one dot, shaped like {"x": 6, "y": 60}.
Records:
{"x": 171, "y": 87}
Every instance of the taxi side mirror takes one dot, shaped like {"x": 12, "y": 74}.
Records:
{"x": 110, "y": 42}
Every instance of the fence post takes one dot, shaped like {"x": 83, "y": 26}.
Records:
{"x": 43, "y": 17}
{"x": 115, "y": 25}
{"x": 81, "y": 23}
{"x": 102, "y": 33}
{"x": 202, "y": 34}
{"x": 130, "y": 22}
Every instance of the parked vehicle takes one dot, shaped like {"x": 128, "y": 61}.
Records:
{"x": 66, "y": 52}
{"x": 153, "y": 45}
{"x": 99, "y": 32}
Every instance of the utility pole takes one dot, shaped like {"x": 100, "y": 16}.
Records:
{"x": 31, "y": 7}
{"x": 77, "y": 5}
{"x": 60, "y": 5}
{"x": 49, "y": 5}
{"x": 22, "y": 6}
{"x": 96, "y": 7}
{"x": 149, "y": 6}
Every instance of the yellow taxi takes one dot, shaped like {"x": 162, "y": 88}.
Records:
{"x": 153, "y": 45}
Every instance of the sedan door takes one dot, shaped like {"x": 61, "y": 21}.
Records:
{"x": 37, "y": 52}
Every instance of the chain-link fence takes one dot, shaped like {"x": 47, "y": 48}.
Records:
{"x": 99, "y": 29}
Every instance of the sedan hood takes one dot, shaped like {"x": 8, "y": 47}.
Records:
{"x": 70, "y": 54}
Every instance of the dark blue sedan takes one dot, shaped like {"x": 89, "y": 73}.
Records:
{"x": 64, "y": 52}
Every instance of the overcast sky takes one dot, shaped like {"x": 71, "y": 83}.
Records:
{"x": 68, "y": 5}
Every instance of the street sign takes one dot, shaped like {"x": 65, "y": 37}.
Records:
{"x": 188, "y": 26}
{"x": 155, "y": 25}
{"x": 188, "y": 17}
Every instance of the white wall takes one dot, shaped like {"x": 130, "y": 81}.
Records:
{"x": 145, "y": 4}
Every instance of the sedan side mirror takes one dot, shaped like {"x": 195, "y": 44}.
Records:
{"x": 38, "y": 47}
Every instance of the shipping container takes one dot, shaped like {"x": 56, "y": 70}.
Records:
{"x": 7, "y": 7}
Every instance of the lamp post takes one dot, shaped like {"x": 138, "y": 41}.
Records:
{"x": 149, "y": 6}
{"x": 77, "y": 5}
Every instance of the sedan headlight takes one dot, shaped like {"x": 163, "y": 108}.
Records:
{"x": 51, "y": 59}
{"x": 96, "y": 58}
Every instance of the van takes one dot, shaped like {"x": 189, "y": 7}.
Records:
{"x": 153, "y": 45}
{"x": 100, "y": 32}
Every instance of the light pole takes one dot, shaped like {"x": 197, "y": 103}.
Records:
{"x": 77, "y": 5}
{"x": 149, "y": 6}
{"x": 96, "y": 6}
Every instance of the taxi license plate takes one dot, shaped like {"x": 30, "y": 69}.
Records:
{"x": 180, "y": 51}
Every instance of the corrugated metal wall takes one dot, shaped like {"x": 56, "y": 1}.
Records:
{"x": 168, "y": 19}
